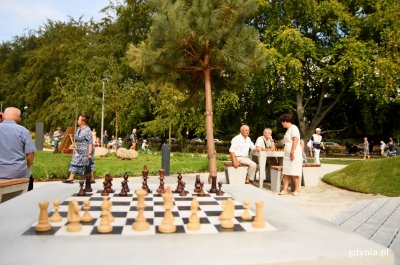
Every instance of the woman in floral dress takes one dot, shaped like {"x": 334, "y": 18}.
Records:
{"x": 84, "y": 150}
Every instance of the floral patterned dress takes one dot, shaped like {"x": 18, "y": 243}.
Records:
{"x": 83, "y": 137}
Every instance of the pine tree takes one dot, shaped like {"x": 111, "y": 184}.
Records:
{"x": 194, "y": 38}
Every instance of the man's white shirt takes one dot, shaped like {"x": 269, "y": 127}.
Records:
{"x": 241, "y": 146}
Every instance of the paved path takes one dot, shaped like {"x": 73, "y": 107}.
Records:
{"x": 377, "y": 220}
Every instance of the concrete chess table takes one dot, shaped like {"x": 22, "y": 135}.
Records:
{"x": 300, "y": 238}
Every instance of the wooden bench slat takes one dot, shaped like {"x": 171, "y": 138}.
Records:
{"x": 10, "y": 182}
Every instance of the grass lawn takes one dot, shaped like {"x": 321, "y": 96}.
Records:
{"x": 377, "y": 176}
{"x": 49, "y": 166}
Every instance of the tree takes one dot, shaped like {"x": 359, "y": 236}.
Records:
{"x": 323, "y": 51}
{"x": 199, "y": 37}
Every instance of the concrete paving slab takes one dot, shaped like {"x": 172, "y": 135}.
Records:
{"x": 377, "y": 219}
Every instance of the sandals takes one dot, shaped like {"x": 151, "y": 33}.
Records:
{"x": 68, "y": 181}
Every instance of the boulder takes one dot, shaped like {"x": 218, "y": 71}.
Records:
{"x": 126, "y": 153}
{"x": 100, "y": 151}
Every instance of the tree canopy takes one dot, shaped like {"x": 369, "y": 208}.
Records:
{"x": 332, "y": 64}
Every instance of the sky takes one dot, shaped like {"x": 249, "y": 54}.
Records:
{"x": 17, "y": 17}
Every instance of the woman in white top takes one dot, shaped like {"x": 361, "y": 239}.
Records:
{"x": 292, "y": 159}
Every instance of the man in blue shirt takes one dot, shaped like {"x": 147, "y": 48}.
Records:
{"x": 17, "y": 148}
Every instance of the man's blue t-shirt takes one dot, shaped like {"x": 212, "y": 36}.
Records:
{"x": 15, "y": 142}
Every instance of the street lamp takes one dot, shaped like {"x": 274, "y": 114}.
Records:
{"x": 104, "y": 80}
{"x": 25, "y": 114}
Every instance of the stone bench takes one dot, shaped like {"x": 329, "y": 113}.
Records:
{"x": 312, "y": 175}
{"x": 235, "y": 175}
{"x": 10, "y": 188}
{"x": 276, "y": 178}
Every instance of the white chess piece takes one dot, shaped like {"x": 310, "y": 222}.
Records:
{"x": 194, "y": 220}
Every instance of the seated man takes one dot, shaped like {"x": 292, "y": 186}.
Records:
{"x": 265, "y": 142}
{"x": 239, "y": 151}
{"x": 17, "y": 147}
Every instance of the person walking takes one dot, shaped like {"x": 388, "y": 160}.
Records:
{"x": 56, "y": 137}
{"x": 83, "y": 152}
{"x": 366, "y": 148}
{"x": 317, "y": 144}
{"x": 292, "y": 158}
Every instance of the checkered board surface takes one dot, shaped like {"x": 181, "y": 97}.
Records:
{"x": 124, "y": 211}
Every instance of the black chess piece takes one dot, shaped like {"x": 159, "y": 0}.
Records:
{"x": 220, "y": 192}
{"x": 123, "y": 192}
{"x": 81, "y": 190}
{"x": 213, "y": 188}
{"x": 183, "y": 192}
{"x": 179, "y": 186}
{"x": 145, "y": 174}
{"x": 126, "y": 182}
{"x": 109, "y": 179}
{"x": 104, "y": 192}
{"x": 201, "y": 191}
{"x": 161, "y": 188}
{"x": 88, "y": 184}
{"x": 197, "y": 184}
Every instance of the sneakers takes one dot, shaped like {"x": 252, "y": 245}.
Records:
{"x": 283, "y": 193}
{"x": 296, "y": 193}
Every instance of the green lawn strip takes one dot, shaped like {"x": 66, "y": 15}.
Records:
{"x": 49, "y": 166}
{"x": 376, "y": 176}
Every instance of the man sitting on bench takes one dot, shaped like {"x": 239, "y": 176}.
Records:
{"x": 17, "y": 147}
{"x": 239, "y": 151}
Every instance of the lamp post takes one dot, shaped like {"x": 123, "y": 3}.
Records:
{"x": 1, "y": 106}
{"x": 25, "y": 113}
{"x": 102, "y": 111}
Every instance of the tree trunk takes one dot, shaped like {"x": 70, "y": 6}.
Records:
{"x": 212, "y": 159}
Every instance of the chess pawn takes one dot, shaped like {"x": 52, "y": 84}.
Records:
{"x": 167, "y": 225}
{"x": 179, "y": 186}
{"x": 194, "y": 220}
{"x": 81, "y": 190}
{"x": 219, "y": 191}
{"x": 43, "y": 222}
{"x": 56, "y": 217}
{"x": 228, "y": 208}
{"x": 73, "y": 217}
{"x": 259, "y": 221}
{"x": 183, "y": 192}
{"x": 246, "y": 214}
{"x": 201, "y": 190}
{"x": 140, "y": 223}
{"x": 86, "y": 218}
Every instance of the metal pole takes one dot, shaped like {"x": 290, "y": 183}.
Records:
{"x": 102, "y": 114}
{"x": 1, "y": 108}
{"x": 25, "y": 114}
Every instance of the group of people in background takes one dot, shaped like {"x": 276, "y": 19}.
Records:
{"x": 293, "y": 153}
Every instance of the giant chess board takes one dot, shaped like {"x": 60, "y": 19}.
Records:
{"x": 124, "y": 211}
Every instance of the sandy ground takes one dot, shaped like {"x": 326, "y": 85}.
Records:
{"x": 326, "y": 201}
